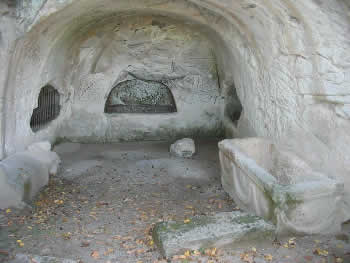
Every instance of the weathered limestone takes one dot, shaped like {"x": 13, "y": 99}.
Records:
{"x": 183, "y": 148}
{"x": 281, "y": 187}
{"x": 222, "y": 229}
{"x": 23, "y": 174}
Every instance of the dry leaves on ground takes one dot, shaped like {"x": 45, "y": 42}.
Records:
{"x": 95, "y": 255}
{"x": 247, "y": 257}
{"x": 268, "y": 257}
{"x": 321, "y": 252}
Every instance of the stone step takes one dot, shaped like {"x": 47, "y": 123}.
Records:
{"x": 201, "y": 232}
{"x": 26, "y": 258}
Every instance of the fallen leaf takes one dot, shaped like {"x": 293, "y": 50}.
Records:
{"x": 101, "y": 203}
{"x": 292, "y": 242}
{"x": 20, "y": 243}
{"x": 339, "y": 260}
{"x": 177, "y": 257}
{"x": 139, "y": 241}
{"x": 67, "y": 235}
{"x": 108, "y": 251}
{"x": 95, "y": 254}
{"x": 59, "y": 202}
{"x": 85, "y": 244}
{"x": 8, "y": 211}
{"x": 321, "y": 252}
{"x": 246, "y": 257}
{"x": 268, "y": 257}
{"x": 186, "y": 221}
{"x": 151, "y": 243}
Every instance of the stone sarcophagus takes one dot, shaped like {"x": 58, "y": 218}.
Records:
{"x": 280, "y": 187}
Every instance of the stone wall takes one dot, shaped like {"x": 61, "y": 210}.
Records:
{"x": 150, "y": 49}
{"x": 289, "y": 62}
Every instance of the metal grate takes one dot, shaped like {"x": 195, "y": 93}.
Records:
{"x": 48, "y": 108}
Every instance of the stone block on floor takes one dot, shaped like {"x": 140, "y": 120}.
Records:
{"x": 184, "y": 148}
{"x": 24, "y": 174}
{"x": 201, "y": 232}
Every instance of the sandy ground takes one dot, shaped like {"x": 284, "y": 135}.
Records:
{"x": 102, "y": 204}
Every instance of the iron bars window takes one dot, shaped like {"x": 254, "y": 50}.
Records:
{"x": 48, "y": 108}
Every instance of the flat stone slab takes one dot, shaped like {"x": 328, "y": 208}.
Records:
{"x": 201, "y": 232}
{"x": 25, "y": 258}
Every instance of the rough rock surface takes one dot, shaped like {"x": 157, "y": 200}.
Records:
{"x": 201, "y": 232}
{"x": 23, "y": 174}
{"x": 183, "y": 148}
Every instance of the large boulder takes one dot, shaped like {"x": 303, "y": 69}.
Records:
{"x": 23, "y": 174}
{"x": 183, "y": 148}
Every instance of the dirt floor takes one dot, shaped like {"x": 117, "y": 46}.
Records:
{"x": 102, "y": 204}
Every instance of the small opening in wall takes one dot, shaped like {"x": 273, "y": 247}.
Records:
{"x": 48, "y": 108}
{"x": 234, "y": 107}
{"x": 140, "y": 96}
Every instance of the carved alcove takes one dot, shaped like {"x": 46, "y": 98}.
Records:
{"x": 140, "y": 96}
